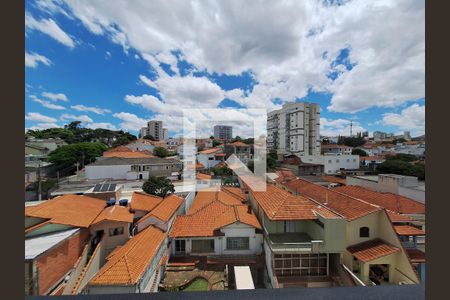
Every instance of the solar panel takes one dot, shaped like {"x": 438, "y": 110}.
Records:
{"x": 104, "y": 187}
{"x": 112, "y": 187}
{"x": 97, "y": 188}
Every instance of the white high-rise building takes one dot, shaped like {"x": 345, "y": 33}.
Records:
{"x": 155, "y": 129}
{"x": 295, "y": 128}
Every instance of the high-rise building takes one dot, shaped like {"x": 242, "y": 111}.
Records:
{"x": 155, "y": 129}
{"x": 165, "y": 134}
{"x": 223, "y": 132}
{"x": 143, "y": 132}
{"x": 295, "y": 128}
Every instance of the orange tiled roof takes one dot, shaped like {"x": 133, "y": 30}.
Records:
{"x": 199, "y": 166}
{"x": 207, "y": 220}
{"x": 209, "y": 151}
{"x": 396, "y": 203}
{"x": 415, "y": 255}
{"x": 347, "y": 206}
{"x": 201, "y": 176}
{"x": 395, "y": 217}
{"x": 127, "y": 264}
{"x": 114, "y": 213}
{"x": 373, "y": 249}
{"x": 371, "y": 158}
{"x": 165, "y": 210}
{"x": 225, "y": 195}
{"x": 239, "y": 144}
{"x": 143, "y": 201}
{"x": 73, "y": 210}
{"x": 279, "y": 204}
{"x": 119, "y": 149}
{"x": 408, "y": 230}
{"x": 334, "y": 179}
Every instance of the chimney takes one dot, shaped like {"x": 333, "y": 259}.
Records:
{"x": 249, "y": 209}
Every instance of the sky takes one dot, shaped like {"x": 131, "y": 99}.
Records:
{"x": 117, "y": 64}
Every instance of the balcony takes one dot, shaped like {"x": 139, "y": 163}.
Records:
{"x": 292, "y": 242}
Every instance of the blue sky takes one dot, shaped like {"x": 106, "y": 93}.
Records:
{"x": 117, "y": 64}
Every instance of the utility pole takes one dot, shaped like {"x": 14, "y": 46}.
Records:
{"x": 351, "y": 128}
{"x": 39, "y": 183}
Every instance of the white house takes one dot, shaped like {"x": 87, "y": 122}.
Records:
{"x": 141, "y": 145}
{"x": 333, "y": 163}
{"x": 210, "y": 157}
{"x": 132, "y": 168}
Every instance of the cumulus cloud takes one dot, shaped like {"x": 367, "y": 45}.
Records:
{"x": 95, "y": 110}
{"x": 330, "y": 127}
{"x": 46, "y": 103}
{"x": 288, "y": 46}
{"x": 103, "y": 125}
{"x": 82, "y": 118}
{"x": 50, "y": 28}
{"x": 37, "y": 117}
{"x": 411, "y": 119}
{"x": 41, "y": 126}
{"x": 130, "y": 121}
{"x": 55, "y": 96}
{"x": 32, "y": 60}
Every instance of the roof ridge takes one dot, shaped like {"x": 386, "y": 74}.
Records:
{"x": 128, "y": 267}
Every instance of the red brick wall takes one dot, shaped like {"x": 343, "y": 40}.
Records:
{"x": 54, "y": 264}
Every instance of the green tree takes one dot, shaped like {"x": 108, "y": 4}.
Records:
{"x": 216, "y": 143}
{"x": 359, "y": 152}
{"x": 351, "y": 141}
{"x": 160, "y": 152}
{"x": 68, "y": 155}
{"x": 271, "y": 160}
{"x": 158, "y": 186}
{"x": 149, "y": 137}
{"x": 395, "y": 166}
{"x": 222, "y": 170}
{"x": 402, "y": 157}
{"x": 249, "y": 141}
{"x": 399, "y": 140}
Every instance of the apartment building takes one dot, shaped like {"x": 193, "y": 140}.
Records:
{"x": 223, "y": 132}
{"x": 295, "y": 128}
{"x": 336, "y": 149}
{"x": 155, "y": 129}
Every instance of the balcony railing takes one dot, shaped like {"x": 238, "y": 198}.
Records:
{"x": 292, "y": 242}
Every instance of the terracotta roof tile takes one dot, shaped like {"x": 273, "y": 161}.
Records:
{"x": 127, "y": 264}
{"x": 239, "y": 144}
{"x": 415, "y": 255}
{"x": 396, "y": 218}
{"x": 225, "y": 195}
{"x": 279, "y": 204}
{"x": 210, "y": 151}
{"x": 143, "y": 201}
{"x": 128, "y": 154}
{"x": 393, "y": 202}
{"x": 210, "y": 218}
{"x": 118, "y": 149}
{"x": 408, "y": 230}
{"x": 201, "y": 176}
{"x": 114, "y": 213}
{"x": 73, "y": 210}
{"x": 165, "y": 210}
{"x": 349, "y": 207}
{"x": 373, "y": 249}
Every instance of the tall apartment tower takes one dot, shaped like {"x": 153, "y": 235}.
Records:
{"x": 295, "y": 128}
{"x": 223, "y": 132}
{"x": 165, "y": 135}
{"x": 155, "y": 129}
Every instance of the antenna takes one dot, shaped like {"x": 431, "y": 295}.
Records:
{"x": 351, "y": 128}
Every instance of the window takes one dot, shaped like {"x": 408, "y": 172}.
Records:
{"x": 238, "y": 243}
{"x": 180, "y": 246}
{"x": 116, "y": 231}
{"x": 329, "y": 161}
{"x": 210, "y": 158}
{"x": 364, "y": 232}
{"x": 202, "y": 246}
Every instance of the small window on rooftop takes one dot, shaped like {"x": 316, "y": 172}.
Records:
{"x": 364, "y": 232}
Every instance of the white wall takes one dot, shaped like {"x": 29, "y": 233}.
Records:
{"x": 333, "y": 163}
{"x": 139, "y": 146}
{"x": 103, "y": 172}
{"x": 203, "y": 159}
{"x": 188, "y": 201}
{"x": 111, "y": 242}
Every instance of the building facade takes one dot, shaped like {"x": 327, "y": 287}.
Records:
{"x": 223, "y": 132}
{"x": 295, "y": 128}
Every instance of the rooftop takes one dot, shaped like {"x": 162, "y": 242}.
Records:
{"x": 165, "y": 209}
{"x": 371, "y": 250}
{"x": 37, "y": 245}
{"x": 408, "y": 230}
{"x": 392, "y": 202}
{"x": 143, "y": 201}
{"x": 210, "y": 218}
{"x": 126, "y": 264}
{"x": 210, "y": 151}
{"x": 114, "y": 213}
{"x": 108, "y": 161}
{"x": 226, "y": 195}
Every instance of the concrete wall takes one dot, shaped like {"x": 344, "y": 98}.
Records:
{"x": 111, "y": 242}
{"x": 54, "y": 264}
{"x": 188, "y": 201}
{"x": 103, "y": 172}
{"x": 368, "y": 184}
{"x": 333, "y": 163}
{"x": 415, "y": 194}
{"x": 94, "y": 264}
{"x": 78, "y": 268}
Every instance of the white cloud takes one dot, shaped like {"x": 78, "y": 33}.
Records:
{"x": 329, "y": 127}
{"x": 103, "y": 125}
{"x": 108, "y": 55}
{"x": 130, "y": 121}
{"x": 37, "y": 117}
{"x": 41, "y": 126}
{"x": 50, "y": 28}
{"x": 47, "y": 104}
{"x": 82, "y": 118}
{"x": 32, "y": 60}
{"x": 411, "y": 119}
{"x": 96, "y": 110}
{"x": 281, "y": 43}
{"x": 55, "y": 97}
